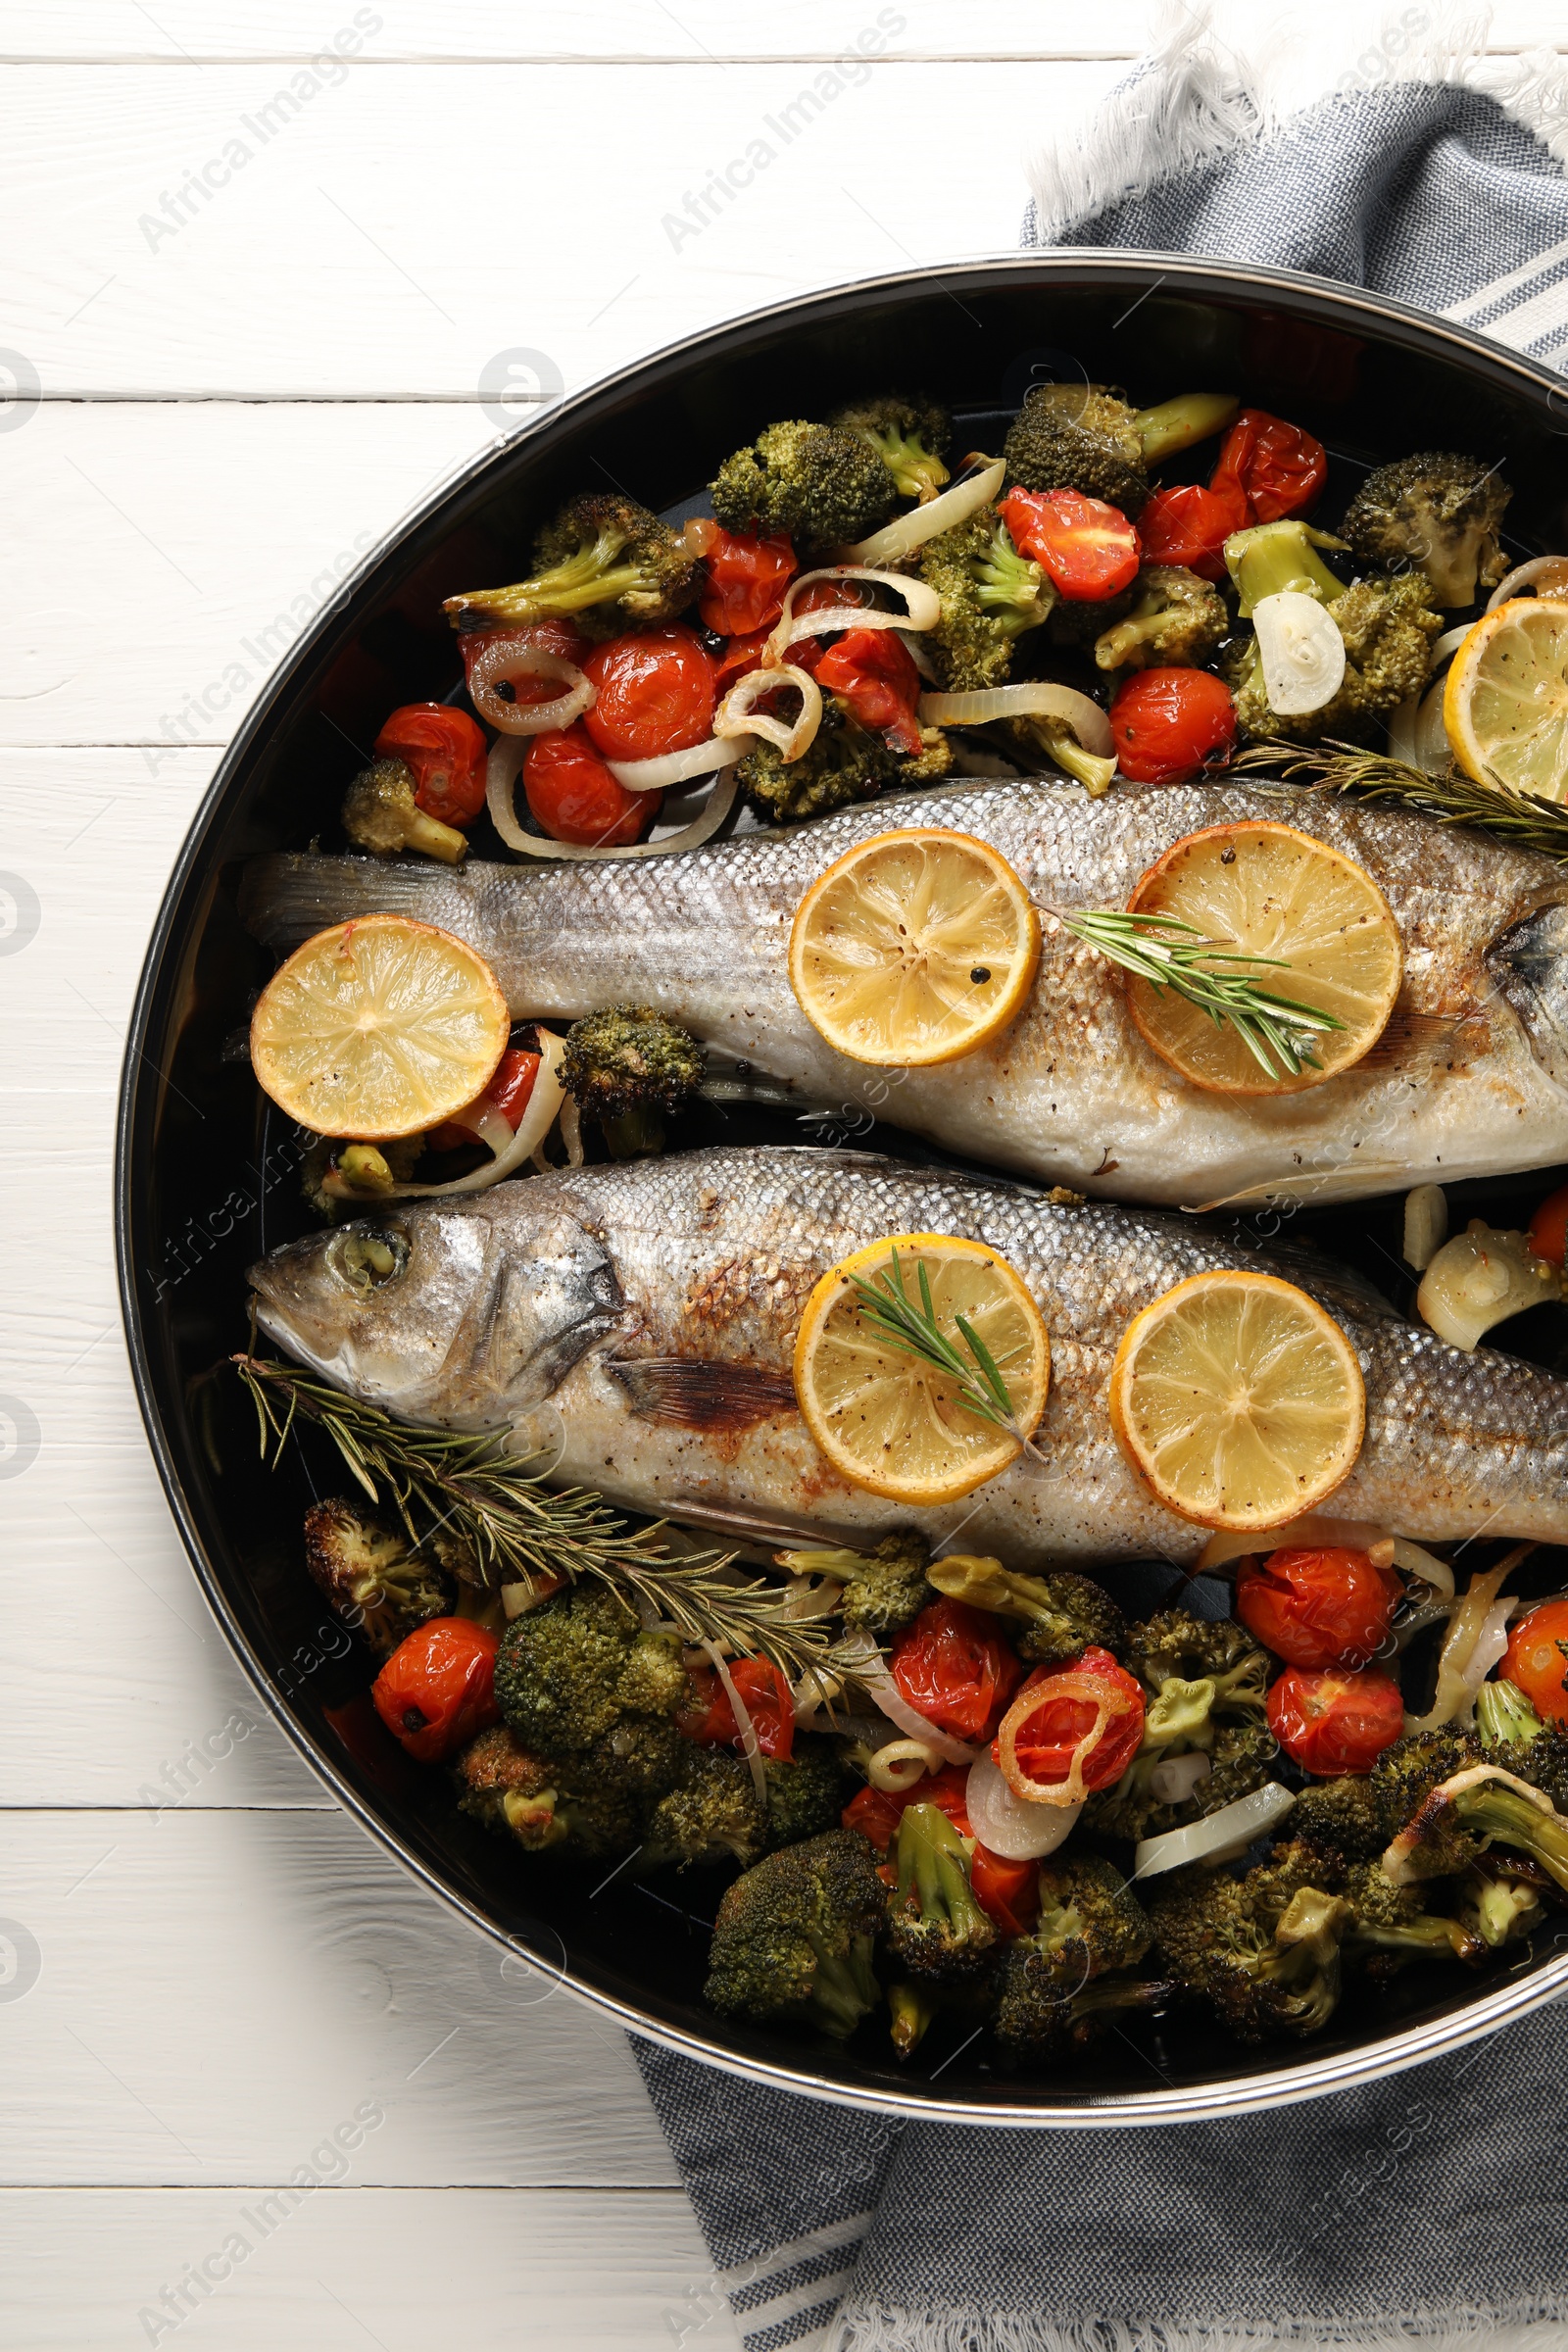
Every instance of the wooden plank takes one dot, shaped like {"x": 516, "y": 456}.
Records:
{"x": 614, "y": 31}
{"x": 212, "y": 1992}
{"x": 214, "y": 533}
{"x": 325, "y": 256}
{"x": 86, "y": 2271}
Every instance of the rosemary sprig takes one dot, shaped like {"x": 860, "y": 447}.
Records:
{"x": 1277, "y": 1031}
{"x": 518, "y": 1530}
{"x": 913, "y": 1329}
{"x": 1454, "y": 799}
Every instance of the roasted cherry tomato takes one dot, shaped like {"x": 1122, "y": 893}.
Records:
{"x": 1322, "y": 1607}
{"x": 437, "y": 1688}
{"x": 877, "y": 1812}
{"x": 1190, "y": 525}
{"x": 508, "y": 1091}
{"x": 557, "y": 635}
{"x": 825, "y": 596}
{"x": 1087, "y": 549}
{"x": 871, "y": 671}
{"x": 740, "y": 654}
{"x": 1548, "y": 1227}
{"x": 655, "y": 694}
{"x": 745, "y": 580}
{"x": 1534, "y": 1660}
{"x": 1166, "y": 722}
{"x": 446, "y": 751}
{"x": 764, "y": 1694}
{"x": 956, "y": 1666}
{"x": 1277, "y": 468}
{"x": 1335, "y": 1723}
{"x": 575, "y": 797}
{"x": 1050, "y": 1735}
{"x": 1007, "y": 1893}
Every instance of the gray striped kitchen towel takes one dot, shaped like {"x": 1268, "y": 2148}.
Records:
{"x": 1427, "y": 2209}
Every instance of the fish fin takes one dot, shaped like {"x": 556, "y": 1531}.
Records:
{"x": 701, "y": 1392}
{"x": 1423, "y": 1042}
{"x": 286, "y": 900}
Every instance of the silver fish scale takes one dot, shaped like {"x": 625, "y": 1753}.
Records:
{"x": 1070, "y": 1092}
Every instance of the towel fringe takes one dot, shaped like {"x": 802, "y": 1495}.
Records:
{"x": 863, "y": 2326}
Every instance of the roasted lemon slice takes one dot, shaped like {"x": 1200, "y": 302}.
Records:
{"x": 1238, "y": 1401}
{"x": 914, "y": 948}
{"x": 1505, "y": 700}
{"x": 1268, "y": 890}
{"x": 378, "y": 1028}
{"x": 892, "y": 1422}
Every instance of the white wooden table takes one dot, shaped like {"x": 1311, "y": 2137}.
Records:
{"x": 257, "y": 299}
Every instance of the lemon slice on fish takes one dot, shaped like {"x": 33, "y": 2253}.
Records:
{"x": 1268, "y": 890}
{"x": 914, "y": 948}
{"x": 1505, "y": 698}
{"x": 378, "y": 1028}
{"x": 892, "y": 1422}
{"x": 1238, "y": 1401}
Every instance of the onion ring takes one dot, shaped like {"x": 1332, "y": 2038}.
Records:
{"x": 499, "y": 662}
{"x": 1008, "y": 1826}
{"x": 736, "y": 719}
{"x": 1038, "y": 698}
{"x": 1110, "y": 1704}
{"x": 1552, "y": 570}
{"x": 866, "y": 1662}
{"x": 670, "y": 768}
{"x": 501, "y": 784}
{"x": 545, "y": 1102}
{"x": 923, "y": 608}
{"x": 906, "y": 532}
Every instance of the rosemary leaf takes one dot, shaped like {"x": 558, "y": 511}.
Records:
{"x": 1454, "y": 799}
{"x": 520, "y": 1529}
{"x": 914, "y": 1330}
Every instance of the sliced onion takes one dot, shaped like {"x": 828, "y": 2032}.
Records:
{"x": 1412, "y": 1560}
{"x": 1546, "y": 575}
{"x": 1008, "y": 1826}
{"x": 1450, "y": 641}
{"x": 1109, "y": 1703}
{"x": 1301, "y": 651}
{"x": 1219, "y": 1836}
{"x": 1174, "y": 1778}
{"x": 678, "y": 768}
{"x": 1453, "y": 1701}
{"x": 484, "y": 1120}
{"x": 918, "y": 651}
{"x": 922, "y": 607}
{"x": 501, "y": 784}
{"x": 743, "y": 1723}
{"x": 1398, "y": 1861}
{"x": 900, "y": 537}
{"x": 547, "y": 1097}
{"x": 736, "y": 719}
{"x": 1038, "y": 698}
{"x": 500, "y": 662}
{"x": 1426, "y": 1225}
{"x": 1315, "y": 1528}
{"x": 898, "y": 1763}
{"x": 1491, "y": 1642}
{"x": 866, "y": 1661}
{"x": 531, "y": 1594}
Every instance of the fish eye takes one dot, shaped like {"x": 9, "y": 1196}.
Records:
{"x": 365, "y": 1260}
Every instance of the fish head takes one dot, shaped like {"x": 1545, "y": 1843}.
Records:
{"x": 464, "y": 1314}
{"x": 1530, "y": 965}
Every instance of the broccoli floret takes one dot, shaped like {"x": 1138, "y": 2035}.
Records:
{"x": 1262, "y": 1951}
{"x": 1086, "y": 437}
{"x": 1342, "y": 1817}
{"x": 1502, "y": 1899}
{"x": 1177, "y": 1645}
{"x": 1389, "y": 630}
{"x": 1477, "y": 1807}
{"x": 884, "y": 1590}
{"x": 936, "y": 1930}
{"x": 604, "y": 559}
{"x": 1037, "y": 736}
{"x": 804, "y": 1790}
{"x": 1389, "y": 1926}
{"x": 1176, "y": 618}
{"x": 712, "y": 1815}
{"x": 1090, "y": 1923}
{"x": 990, "y": 596}
{"x": 1240, "y": 1756}
{"x": 502, "y": 1784}
{"x": 1438, "y": 511}
{"x": 1061, "y": 1614}
{"x": 841, "y": 763}
{"x": 568, "y": 1671}
{"x": 631, "y": 1068}
{"x": 795, "y": 1935}
{"x": 379, "y": 814}
{"x": 370, "y": 1573}
{"x": 909, "y": 436}
{"x": 815, "y": 481}
{"x": 1031, "y": 2028}
{"x": 1513, "y": 1735}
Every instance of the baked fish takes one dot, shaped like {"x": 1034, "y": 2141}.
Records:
{"x": 642, "y": 1316}
{"x": 1470, "y": 1077}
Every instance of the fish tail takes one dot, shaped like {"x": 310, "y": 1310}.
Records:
{"x": 286, "y": 900}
